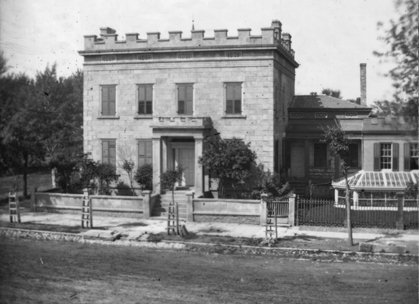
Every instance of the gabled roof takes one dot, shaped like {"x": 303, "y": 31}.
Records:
{"x": 324, "y": 102}
{"x": 379, "y": 180}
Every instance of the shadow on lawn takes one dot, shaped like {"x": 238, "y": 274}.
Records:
{"x": 136, "y": 224}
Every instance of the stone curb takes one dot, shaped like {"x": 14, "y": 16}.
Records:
{"x": 211, "y": 248}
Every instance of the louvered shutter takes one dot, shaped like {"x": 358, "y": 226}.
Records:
{"x": 395, "y": 157}
{"x": 406, "y": 157}
{"x": 376, "y": 156}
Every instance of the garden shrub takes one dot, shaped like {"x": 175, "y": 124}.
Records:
{"x": 144, "y": 176}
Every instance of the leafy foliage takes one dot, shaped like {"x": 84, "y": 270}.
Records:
{"x": 169, "y": 178}
{"x": 402, "y": 36}
{"x": 268, "y": 183}
{"x": 229, "y": 160}
{"x": 67, "y": 169}
{"x": 40, "y": 119}
{"x": 144, "y": 176}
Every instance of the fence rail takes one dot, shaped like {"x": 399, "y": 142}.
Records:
{"x": 280, "y": 208}
{"x": 316, "y": 212}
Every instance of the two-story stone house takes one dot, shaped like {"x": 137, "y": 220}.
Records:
{"x": 155, "y": 100}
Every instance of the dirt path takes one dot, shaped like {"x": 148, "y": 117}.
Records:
{"x": 60, "y": 272}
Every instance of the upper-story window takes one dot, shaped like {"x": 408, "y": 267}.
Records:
{"x": 108, "y": 100}
{"x": 233, "y": 98}
{"x": 109, "y": 151}
{"x": 185, "y": 98}
{"x": 145, "y": 99}
{"x": 386, "y": 156}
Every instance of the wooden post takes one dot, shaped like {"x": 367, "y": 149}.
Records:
{"x": 177, "y": 218}
{"x": 263, "y": 208}
{"x": 146, "y": 204}
{"x": 400, "y": 203}
{"x": 14, "y": 211}
{"x": 189, "y": 206}
{"x": 86, "y": 210}
{"x": 291, "y": 209}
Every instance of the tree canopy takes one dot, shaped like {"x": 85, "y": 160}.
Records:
{"x": 40, "y": 118}
{"x": 401, "y": 37}
{"x": 331, "y": 92}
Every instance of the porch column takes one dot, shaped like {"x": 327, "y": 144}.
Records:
{"x": 156, "y": 164}
{"x": 199, "y": 182}
{"x": 164, "y": 154}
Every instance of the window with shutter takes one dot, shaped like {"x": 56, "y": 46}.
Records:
{"x": 108, "y": 99}
{"x": 386, "y": 156}
{"x": 145, "y": 152}
{"x": 145, "y": 99}
{"x": 185, "y": 99}
{"x": 109, "y": 151}
{"x": 233, "y": 93}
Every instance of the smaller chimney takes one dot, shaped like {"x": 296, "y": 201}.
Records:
{"x": 363, "y": 79}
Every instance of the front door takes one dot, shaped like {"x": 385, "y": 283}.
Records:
{"x": 185, "y": 158}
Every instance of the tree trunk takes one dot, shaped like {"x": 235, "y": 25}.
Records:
{"x": 25, "y": 174}
{"x": 348, "y": 209}
{"x": 53, "y": 177}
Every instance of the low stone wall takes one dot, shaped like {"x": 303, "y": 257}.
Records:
{"x": 226, "y": 210}
{"x": 61, "y": 202}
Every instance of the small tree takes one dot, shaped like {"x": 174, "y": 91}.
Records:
{"x": 169, "y": 179}
{"x": 230, "y": 161}
{"x": 105, "y": 176}
{"x": 339, "y": 146}
{"x": 144, "y": 176}
{"x": 128, "y": 167}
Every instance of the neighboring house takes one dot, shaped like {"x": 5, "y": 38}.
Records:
{"x": 375, "y": 143}
{"x": 155, "y": 100}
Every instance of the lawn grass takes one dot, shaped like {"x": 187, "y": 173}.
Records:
{"x": 40, "y": 180}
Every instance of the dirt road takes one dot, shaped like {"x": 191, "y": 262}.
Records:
{"x": 59, "y": 272}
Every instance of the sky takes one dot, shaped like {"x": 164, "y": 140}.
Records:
{"x": 330, "y": 37}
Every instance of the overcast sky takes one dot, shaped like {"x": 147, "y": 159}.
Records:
{"x": 330, "y": 37}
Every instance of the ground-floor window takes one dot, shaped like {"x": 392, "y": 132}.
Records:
{"x": 385, "y": 156}
{"x": 353, "y": 156}
{"x": 320, "y": 155}
{"x": 414, "y": 156}
{"x": 109, "y": 151}
{"x": 145, "y": 152}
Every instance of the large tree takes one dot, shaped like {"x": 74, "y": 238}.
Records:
{"x": 401, "y": 35}
{"x": 39, "y": 118}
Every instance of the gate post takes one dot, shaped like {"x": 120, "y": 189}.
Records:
{"x": 400, "y": 203}
{"x": 146, "y": 204}
{"x": 291, "y": 209}
{"x": 189, "y": 206}
{"x": 263, "y": 208}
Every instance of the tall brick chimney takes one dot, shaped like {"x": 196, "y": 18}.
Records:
{"x": 363, "y": 79}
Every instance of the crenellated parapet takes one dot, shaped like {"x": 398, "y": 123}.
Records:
{"x": 108, "y": 40}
